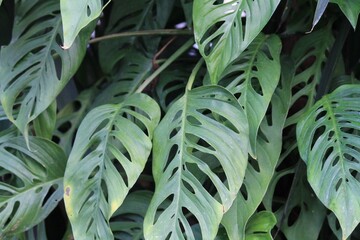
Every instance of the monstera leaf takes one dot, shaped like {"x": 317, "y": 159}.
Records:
{"x": 70, "y": 117}
{"x": 132, "y": 16}
{"x": 76, "y": 15}
{"x": 310, "y": 54}
{"x": 329, "y": 143}
{"x": 33, "y": 67}
{"x": 205, "y": 127}
{"x": 133, "y": 71}
{"x": 37, "y": 187}
{"x": 250, "y": 80}
{"x": 260, "y": 171}
{"x": 112, "y": 139}
{"x": 223, "y": 29}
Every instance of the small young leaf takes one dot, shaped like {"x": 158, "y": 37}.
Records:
{"x": 260, "y": 226}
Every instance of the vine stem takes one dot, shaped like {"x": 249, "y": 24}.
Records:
{"x": 160, "y": 32}
{"x": 193, "y": 74}
{"x": 168, "y": 61}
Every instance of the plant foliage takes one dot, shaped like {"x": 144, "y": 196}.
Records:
{"x": 179, "y": 119}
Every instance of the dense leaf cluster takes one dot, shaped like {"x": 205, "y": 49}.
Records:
{"x": 179, "y": 119}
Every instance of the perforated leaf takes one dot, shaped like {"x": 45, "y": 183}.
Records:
{"x": 33, "y": 67}
{"x": 223, "y": 29}
{"x": 205, "y": 128}
{"x": 329, "y": 143}
{"x": 253, "y": 77}
{"x": 76, "y": 15}
{"x": 260, "y": 171}
{"x": 70, "y": 117}
{"x": 112, "y": 139}
{"x": 36, "y": 188}
{"x": 128, "y": 16}
{"x": 309, "y": 54}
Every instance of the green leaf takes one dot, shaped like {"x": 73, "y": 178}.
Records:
{"x": 133, "y": 16}
{"x": 206, "y": 126}
{"x": 70, "y": 117}
{"x": 329, "y": 143}
{"x": 171, "y": 84}
{"x": 34, "y": 68}
{"x": 259, "y": 172}
{"x": 309, "y": 54}
{"x": 44, "y": 124}
{"x": 320, "y": 9}
{"x": 253, "y": 78}
{"x": 38, "y": 187}
{"x": 134, "y": 70}
{"x": 219, "y": 30}
{"x": 111, "y": 138}
{"x": 302, "y": 210}
{"x": 76, "y": 15}
{"x": 260, "y": 225}
{"x": 351, "y": 9}
{"x": 127, "y": 221}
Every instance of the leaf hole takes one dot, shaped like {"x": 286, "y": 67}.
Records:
{"x": 193, "y": 121}
{"x": 177, "y": 116}
{"x": 172, "y": 153}
{"x": 255, "y": 164}
{"x": 322, "y": 114}
{"x": 255, "y": 84}
{"x": 335, "y": 161}
{"x": 94, "y": 172}
{"x": 65, "y": 127}
{"x": 318, "y": 132}
{"x": 338, "y": 184}
{"x": 88, "y": 11}
{"x": 244, "y": 192}
{"x": 293, "y": 215}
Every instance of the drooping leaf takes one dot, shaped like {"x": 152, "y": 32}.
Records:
{"x": 76, "y": 15}
{"x": 111, "y": 138}
{"x": 329, "y": 143}
{"x": 253, "y": 78}
{"x": 224, "y": 29}
{"x": 260, "y": 171}
{"x": 351, "y": 9}
{"x": 38, "y": 186}
{"x": 320, "y": 9}
{"x": 33, "y": 67}
{"x": 205, "y": 126}
{"x": 302, "y": 210}
{"x": 309, "y": 54}
{"x": 70, "y": 117}
{"x": 260, "y": 226}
